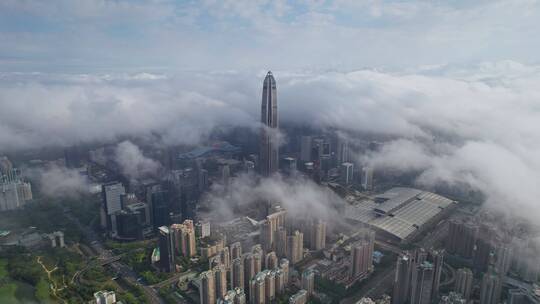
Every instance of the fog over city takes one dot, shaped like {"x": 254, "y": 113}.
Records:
{"x": 475, "y": 126}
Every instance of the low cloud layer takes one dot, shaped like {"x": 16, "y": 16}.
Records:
{"x": 477, "y": 125}
{"x": 299, "y": 196}
{"x": 133, "y": 164}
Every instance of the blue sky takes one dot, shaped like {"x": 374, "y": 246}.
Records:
{"x": 119, "y": 35}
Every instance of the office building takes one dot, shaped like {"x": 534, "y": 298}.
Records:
{"x": 346, "y": 174}
{"x": 305, "y": 149}
{"x": 160, "y": 208}
{"x": 207, "y": 289}
{"x": 111, "y": 193}
{"x": 343, "y": 150}
{"x": 464, "y": 282}
{"x": 166, "y": 250}
{"x": 269, "y": 145}
{"x": 308, "y": 281}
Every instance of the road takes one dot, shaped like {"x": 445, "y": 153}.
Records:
{"x": 375, "y": 286}
{"x": 104, "y": 254}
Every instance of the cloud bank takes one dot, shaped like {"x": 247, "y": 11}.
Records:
{"x": 476, "y": 125}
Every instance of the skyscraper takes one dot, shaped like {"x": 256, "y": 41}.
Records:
{"x": 346, "y": 173}
{"x": 269, "y": 149}
{"x": 422, "y": 283}
{"x": 402, "y": 279}
{"x": 166, "y": 249}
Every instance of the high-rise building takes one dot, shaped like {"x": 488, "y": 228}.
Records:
{"x": 284, "y": 267}
{"x": 202, "y": 229}
{"x": 184, "y": 238}
{"x": 105, "y": 297}
{"x": 361, "y": 258}
{"x": 270, "y": 285}
{"x": 281, "y": 242}
{"x": 249, "y": 269}
{"x": 422, "y": 283}
{"x": 14, "y": 192}
{"x": 402, "y": 279}
{"x": 305, "y": 149}
{"x": 367, "y": 178}
{"x": 295, "y": 247}
{"x": 207, "y": 288}
{"x": 464, "y": 282}
{"x": 490, "y": 289}
{"x": 503, "y": 255}
{"x": 318, "y": 235}
{"x": 461, "y": 238}
{"x": 112, "y": 203}
{"x": 288, "y": 165}
{"x": 271, "y": 260}
{"x": 343, "y": 150}
{"x": 237, "y": 273}
{"x": 220, "y": 273}
{"x": 269, "y": 145}
{"x": 166, "y": 249}
{"x": 280, "y": 281}
{"x": 257, "y": 289}
{"x": 236, "y": 250}
{"x": 160, "y": 208}
{"x": 308, "y": 281}
{"x": 437, "y": 258}
{"x": 346, "y": 173}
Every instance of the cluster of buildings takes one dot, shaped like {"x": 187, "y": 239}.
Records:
{"x": 14, "y": 191}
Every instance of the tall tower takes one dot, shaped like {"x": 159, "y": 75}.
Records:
{"x": 269, "y": 148}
